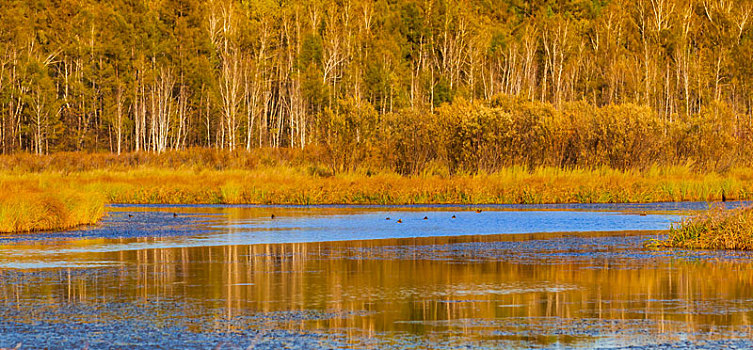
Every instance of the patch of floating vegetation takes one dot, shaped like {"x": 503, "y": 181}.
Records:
{"x": 56, "y": 265}
{"x": 717, "y": 228}
{"x": 570, "y": 333}
{"x": 124, "y": 225}
{"x": 163, "y": 325}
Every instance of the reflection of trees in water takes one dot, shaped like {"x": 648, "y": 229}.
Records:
{"x": 458, "y": 292}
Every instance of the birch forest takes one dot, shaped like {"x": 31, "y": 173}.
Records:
{"x": 478, "y": 84}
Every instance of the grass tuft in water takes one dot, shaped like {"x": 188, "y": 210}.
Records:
{"x": 717, "y": 228}
{"x": 33, "y": 209}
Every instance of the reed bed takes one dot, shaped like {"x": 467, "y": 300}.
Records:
{"x": 301, "y": 185}
{"x": 717, "y": 228}
{"x": 64, "y": 190}
{"x": 25, "y": 207}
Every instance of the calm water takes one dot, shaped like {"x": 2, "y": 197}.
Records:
{"x": 345, "y": 277}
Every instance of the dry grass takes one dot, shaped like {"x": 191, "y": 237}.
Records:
{"x": 25, "y": 207}
{"x": 301, "y": 185}
{"x": 718, "y": 228}
{"x": 69, "y": 189}
{"x": 294, "y": 185}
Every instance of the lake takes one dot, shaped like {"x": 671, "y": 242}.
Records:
{"x": 235, "y": 277}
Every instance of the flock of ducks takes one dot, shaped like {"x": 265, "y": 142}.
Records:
{"x": 400, "y": 221}
{"x": 175, "y": 215}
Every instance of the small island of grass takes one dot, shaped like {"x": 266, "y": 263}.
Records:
{"x": 717, "y": 228}
{"x": 35, "y": 209}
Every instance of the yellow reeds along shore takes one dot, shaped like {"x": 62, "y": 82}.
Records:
{"x": 26, "y": 207}
{"x": 64, "y": 190}
{"x": 292, "y": 185}
{"x": 717, "y": 228}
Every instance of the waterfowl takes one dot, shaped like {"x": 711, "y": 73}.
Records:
{"x": 387, "y": 218}
{"x": 399, "y": 221}
{"x": 175, "y": 215}
{"x": 130, "y": 215}
{"x": 478, "y": 210}
{"x": 453, "y": 216}
{"x": 426, "y": 218}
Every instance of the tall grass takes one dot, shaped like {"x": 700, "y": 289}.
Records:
{"x": 299, "y": 184}
{"x": 69, "y": 189}
{"x": 28, "y": 208}
{"x": 718, "y": 228}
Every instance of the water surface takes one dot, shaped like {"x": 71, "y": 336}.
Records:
{"x": 345, "y": 277}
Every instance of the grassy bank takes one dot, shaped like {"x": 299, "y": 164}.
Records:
{"x": 300, "y": 185}
{"x": 717, "y": 228}
{"x": 25, "y": 207}
{"x": 69, "y": 189}
{"x": 280, "y": 185}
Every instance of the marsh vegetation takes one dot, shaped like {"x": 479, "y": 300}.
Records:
{"x": 717, "y": 228}
{"x": 26, "y": 207}
{"x": 61, "y": 190}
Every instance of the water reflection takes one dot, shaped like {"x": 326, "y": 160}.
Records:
{"x": 514, "y": 290}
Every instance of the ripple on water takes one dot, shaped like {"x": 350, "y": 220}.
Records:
{"x": 155, "y": 280}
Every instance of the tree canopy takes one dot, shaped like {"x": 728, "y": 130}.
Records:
{"x": 152, "y": 75}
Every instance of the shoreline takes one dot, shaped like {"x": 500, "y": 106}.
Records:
{"x": 69, "y": 197}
